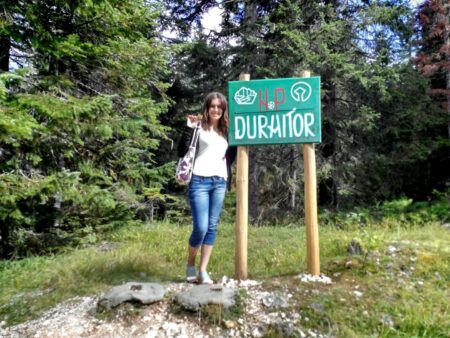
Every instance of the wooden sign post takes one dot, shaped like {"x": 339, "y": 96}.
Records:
{"x": 312, "y": 229}
{"x": 275, "y": 111}
{"x": 241, "y": 232}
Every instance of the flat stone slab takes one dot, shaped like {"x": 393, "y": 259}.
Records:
{"x": 201, "y": 295}
{"x": 274, "y": 301}
{"x": 145, "y": 293}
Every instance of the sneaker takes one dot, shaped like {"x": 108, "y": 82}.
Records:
{"x": 204, "y": 278}
{"x": 191, "y": 275}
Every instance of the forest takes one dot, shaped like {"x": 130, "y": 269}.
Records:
{"x": 94, "y": 96}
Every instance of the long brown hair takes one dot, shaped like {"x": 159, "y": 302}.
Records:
{"x": 223, "y": 121}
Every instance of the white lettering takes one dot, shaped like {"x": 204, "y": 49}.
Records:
{"x": 283, "y": 125}
{"x": 262, "y": 125}
{"x": 289, "y": 115}
{"x": 239, "y": 131}
{"x": 255, "y": 127}
{"x": 275, "y": 126}
{"x": 309, "y": 121}
{"x": 298, "y": 127}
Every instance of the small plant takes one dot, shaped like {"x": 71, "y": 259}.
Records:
{"x": 216, "y": 314}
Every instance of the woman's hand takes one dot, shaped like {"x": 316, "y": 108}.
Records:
{"x": 192, "y": 120}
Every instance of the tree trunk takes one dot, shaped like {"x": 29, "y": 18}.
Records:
{"x": 294, "y": 170}
{"x": 447, "y": 74}
{"x": 251, "y": 16}
{"x": 335, "y": 172}
{"x": 5, "y": 43}
{"x": 253, "y": 194}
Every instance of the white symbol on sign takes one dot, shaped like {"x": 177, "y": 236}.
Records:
{"x": 301, "y": 91}
{"x": 245, "y": 96}
{"x": 271, "y": 105}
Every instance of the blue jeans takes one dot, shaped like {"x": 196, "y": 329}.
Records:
{"x": 206, "y": 195}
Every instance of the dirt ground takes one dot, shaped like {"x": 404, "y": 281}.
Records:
{"x": 260, "y": 314}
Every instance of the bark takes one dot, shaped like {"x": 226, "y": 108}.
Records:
{"x": 294, "y": 169}
{"x": 5, "y": 46}
{"x": 335, "y": 173}
{"x": 253, "y": 193}
{"x": 447, "y": 74}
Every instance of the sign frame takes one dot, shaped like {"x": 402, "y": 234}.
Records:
{"x": 275, "y": 111}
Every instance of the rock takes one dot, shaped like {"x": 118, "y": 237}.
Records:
{"x": 274, "y": 301}
{"x": 304, "y": 277}
{"x": 354, "y": 248}
{"x": 283, "y": 328}
{"x": 392, "y": 250}
{"x": 259, "y": 331}
{"x": 317, "y": 307}
{"x": 229, "y": 324}
{"x": 349, "y": 264}
{"x": 358, "y": 294}
{"x": 201, "y": 295}
{"x": 145, "y": 293}
{"x": 93, "y": 310}
{"x": 171, "y": 329}
{"x": 151, "y": 334}
{"x": 387, "y": 320}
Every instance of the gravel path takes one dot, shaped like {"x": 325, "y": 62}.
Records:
{"x": 75, "y": 318}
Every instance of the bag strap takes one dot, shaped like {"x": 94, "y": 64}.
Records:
{"x": 195, "y": 136}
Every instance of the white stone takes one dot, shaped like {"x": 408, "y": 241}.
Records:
{"x": 171, "y": 329}
{"x": 358, "y": 293}
{"x": 392, "y": 249}
{"x": 151, "y": 334}
{"x": 256, "y": 333}
{"x": 307, "y": 278}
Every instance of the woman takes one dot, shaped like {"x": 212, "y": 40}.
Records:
{"x": 211, "y": 176}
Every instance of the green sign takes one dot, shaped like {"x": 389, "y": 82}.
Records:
{"x": 276, "y": 111}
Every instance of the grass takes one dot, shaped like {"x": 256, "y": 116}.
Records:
{"x": 405, "y": 291}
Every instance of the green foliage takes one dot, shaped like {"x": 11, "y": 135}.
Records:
{"x": 391, "y": 214}
{"x": 100, "y": 95}
{"x": 377, "y": 119}
{"x": 409, "y": 284}
{"x": 103, "y": 148}
{"x": 80, "y": 129}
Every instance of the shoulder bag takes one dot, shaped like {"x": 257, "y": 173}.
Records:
{"x": 185, "y": 164}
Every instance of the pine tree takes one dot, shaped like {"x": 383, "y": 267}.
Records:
{"x": 354, "y": 47}
{"x": 342, "y": 43}
{"x": 433, "y": 60}
{"x": 80, "y": 126}
{"x": 433, "y": 63}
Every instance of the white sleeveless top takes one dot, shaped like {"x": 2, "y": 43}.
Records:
{"x": 210, "y": 159}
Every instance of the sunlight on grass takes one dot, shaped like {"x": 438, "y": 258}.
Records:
{"x": 403, "y": 273}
